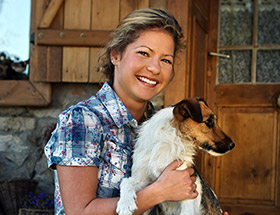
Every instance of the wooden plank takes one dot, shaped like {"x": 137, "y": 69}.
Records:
{"x": 39, "y": 57}
{"x": 77, "y": 14}
{"x": 47, "y": 60}
{"x": 253, "y": 158}
{"x": 50, "y": 13}
{"x": 162, "y": 4}
{"x": 34, "y": 72}
{"x": 24, "y": 93}
{"x": 212, "y": 47}
{"x": 44, "y": 91}
{"x": 54, "y": 67}
{"x": 75, "y": 64}
{"x": 209, "y": 162}
{"x": 94, "y": 76}
{"x": 277, "y": 191}
{"x": 75, "y": 60}
{"x": 203, "y": 7}
{"x": 105, "y": 14}
{"x": 202, "y": 19}
{"x": 129, "y": 5}
{"x": 105, "y": 17}
{"x": 54, "y": 37}
{"x": 54, "y": 60}
{"x": 234, "y": 209}
{"x": 199, "y": 59}
{"x": 177, "y": 88}
{"x": 245, "y": 95}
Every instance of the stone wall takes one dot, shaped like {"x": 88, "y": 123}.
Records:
{"x": 25, "y": 130}
{"x": 23, "y": 134}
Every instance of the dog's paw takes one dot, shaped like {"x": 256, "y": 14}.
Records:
{"x": 126, "y": 206}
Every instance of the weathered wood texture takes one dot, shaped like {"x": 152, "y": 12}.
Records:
{"x": 24, "y": 93}
{"x": 178, "y": 87}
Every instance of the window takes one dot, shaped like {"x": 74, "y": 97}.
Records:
{"x": 14, "y": 39}
{"x": 249, "y": 32}
{"x": 18, "y": 89}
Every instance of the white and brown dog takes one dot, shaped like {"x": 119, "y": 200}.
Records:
{"x": 174, "y": 133}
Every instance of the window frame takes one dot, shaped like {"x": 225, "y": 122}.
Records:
{"x": 26, "y": 92}
{"x": 254, "y": 48}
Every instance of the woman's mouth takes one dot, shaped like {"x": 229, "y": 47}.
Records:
{"x": 146, "y": 80}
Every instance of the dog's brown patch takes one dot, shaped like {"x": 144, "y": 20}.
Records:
{"x": 195, "y": 119}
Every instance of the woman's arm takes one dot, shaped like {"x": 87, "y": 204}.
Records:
{"x": 78, "y": 190}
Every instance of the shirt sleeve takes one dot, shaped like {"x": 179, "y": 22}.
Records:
{"x": 77, "y": 139}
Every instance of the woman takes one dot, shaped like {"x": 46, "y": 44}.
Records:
{"x": 92, "y": 144}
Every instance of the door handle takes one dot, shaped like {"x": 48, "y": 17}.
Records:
{"x": 278, "y": 101}
{"x": 219, "y": 55}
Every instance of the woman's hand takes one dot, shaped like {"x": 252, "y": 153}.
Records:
{"x": 177, "y": 185}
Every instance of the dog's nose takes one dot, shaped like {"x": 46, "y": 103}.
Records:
{"x": 231, "y": 145}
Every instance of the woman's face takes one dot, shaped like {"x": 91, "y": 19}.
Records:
{"x": 145, "y": 67}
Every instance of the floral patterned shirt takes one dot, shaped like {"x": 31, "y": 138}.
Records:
{"x": 97, "y": 132}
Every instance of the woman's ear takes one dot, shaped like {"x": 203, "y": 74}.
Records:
{"x": 115, "y": 56}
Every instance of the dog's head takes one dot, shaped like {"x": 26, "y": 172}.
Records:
{"x": 195, "y": 119}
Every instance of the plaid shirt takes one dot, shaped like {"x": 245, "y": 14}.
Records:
{"x": 98, "y": 132}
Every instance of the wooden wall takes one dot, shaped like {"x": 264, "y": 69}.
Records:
{"x": 70, "y": 33}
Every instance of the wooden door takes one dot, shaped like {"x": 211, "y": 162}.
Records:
{"x": 247, "y": 179}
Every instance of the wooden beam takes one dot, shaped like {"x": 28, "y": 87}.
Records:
{"x": 244, "y": 94}
{"x": 24, "y": 93}
{"x": 250, "y": 209}
{"x": 50, "y": 13}
{"x": 72, "y": 37}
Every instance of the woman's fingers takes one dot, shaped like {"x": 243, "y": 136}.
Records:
{"x": 178, "y": 184}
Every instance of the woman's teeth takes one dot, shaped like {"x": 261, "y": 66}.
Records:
{"x": 148, "y": 81}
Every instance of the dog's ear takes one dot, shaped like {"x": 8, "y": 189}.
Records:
{"x": 202, "y": 100}
{"x": 188, "y": 108}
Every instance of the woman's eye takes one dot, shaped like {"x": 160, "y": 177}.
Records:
{"x": 143, "y": 53}
{"x": 167, "y": 61}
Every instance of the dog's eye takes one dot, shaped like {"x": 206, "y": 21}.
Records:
{"x": 209, "y": 122}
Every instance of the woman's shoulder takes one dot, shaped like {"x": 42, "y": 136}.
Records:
{"x": 85, "y": 111}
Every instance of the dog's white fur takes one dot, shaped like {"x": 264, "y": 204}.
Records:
{"x": 158, "y": 144}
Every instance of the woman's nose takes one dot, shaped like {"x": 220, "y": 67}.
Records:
{"x": 154, "y": 66}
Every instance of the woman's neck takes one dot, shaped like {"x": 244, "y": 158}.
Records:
{"x": 137, "y": 109}
{"x": 135, "y": 106}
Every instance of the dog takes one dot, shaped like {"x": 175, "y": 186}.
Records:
{"x": 174, "y": 133}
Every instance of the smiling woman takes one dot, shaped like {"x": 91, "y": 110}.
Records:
{"x": 144, "y": 69}
{"x": 14, "y": 39}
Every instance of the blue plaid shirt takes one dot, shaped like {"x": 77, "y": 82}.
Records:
{"x": 98, "y": 132}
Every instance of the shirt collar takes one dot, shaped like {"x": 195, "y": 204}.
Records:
{"x": 116, "y": 108}
{"x": 118, "y": 111}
